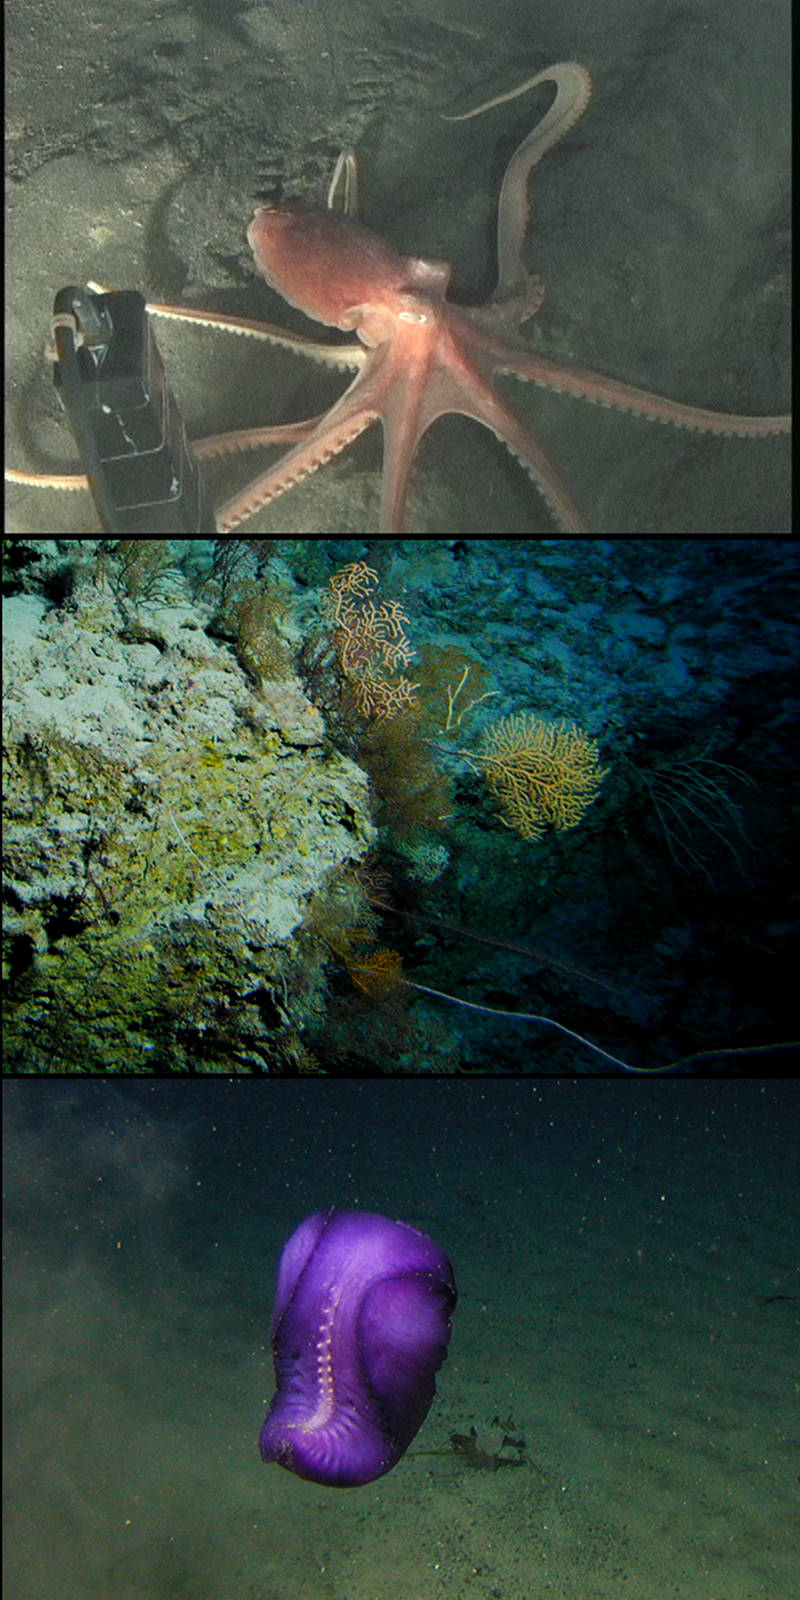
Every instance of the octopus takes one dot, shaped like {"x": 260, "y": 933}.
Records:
{"x": 422, "y": 356}
{"x": 416, "y": 355}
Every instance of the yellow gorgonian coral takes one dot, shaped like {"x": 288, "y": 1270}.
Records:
{"x": 376, "y": 974}
{"x": 540, "y": 772}
{"x": 370, "y": 642}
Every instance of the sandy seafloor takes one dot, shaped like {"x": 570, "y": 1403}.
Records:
{"x": 626, "y": 1255}
{"x": 141, "y": 137}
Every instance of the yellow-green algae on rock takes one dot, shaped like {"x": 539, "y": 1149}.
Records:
{"x": 164, "y": 828}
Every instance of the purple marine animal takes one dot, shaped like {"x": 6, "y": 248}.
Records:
{"x": 360, "y": 1327}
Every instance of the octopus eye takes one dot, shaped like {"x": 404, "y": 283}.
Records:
{"x": 412, "y": 316}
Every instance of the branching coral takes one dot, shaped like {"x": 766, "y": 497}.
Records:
{"x": 540, "y": 772}
{"x": 370, "y": 643}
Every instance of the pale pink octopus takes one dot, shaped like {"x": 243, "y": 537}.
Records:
{"x": 417, "y": 356}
